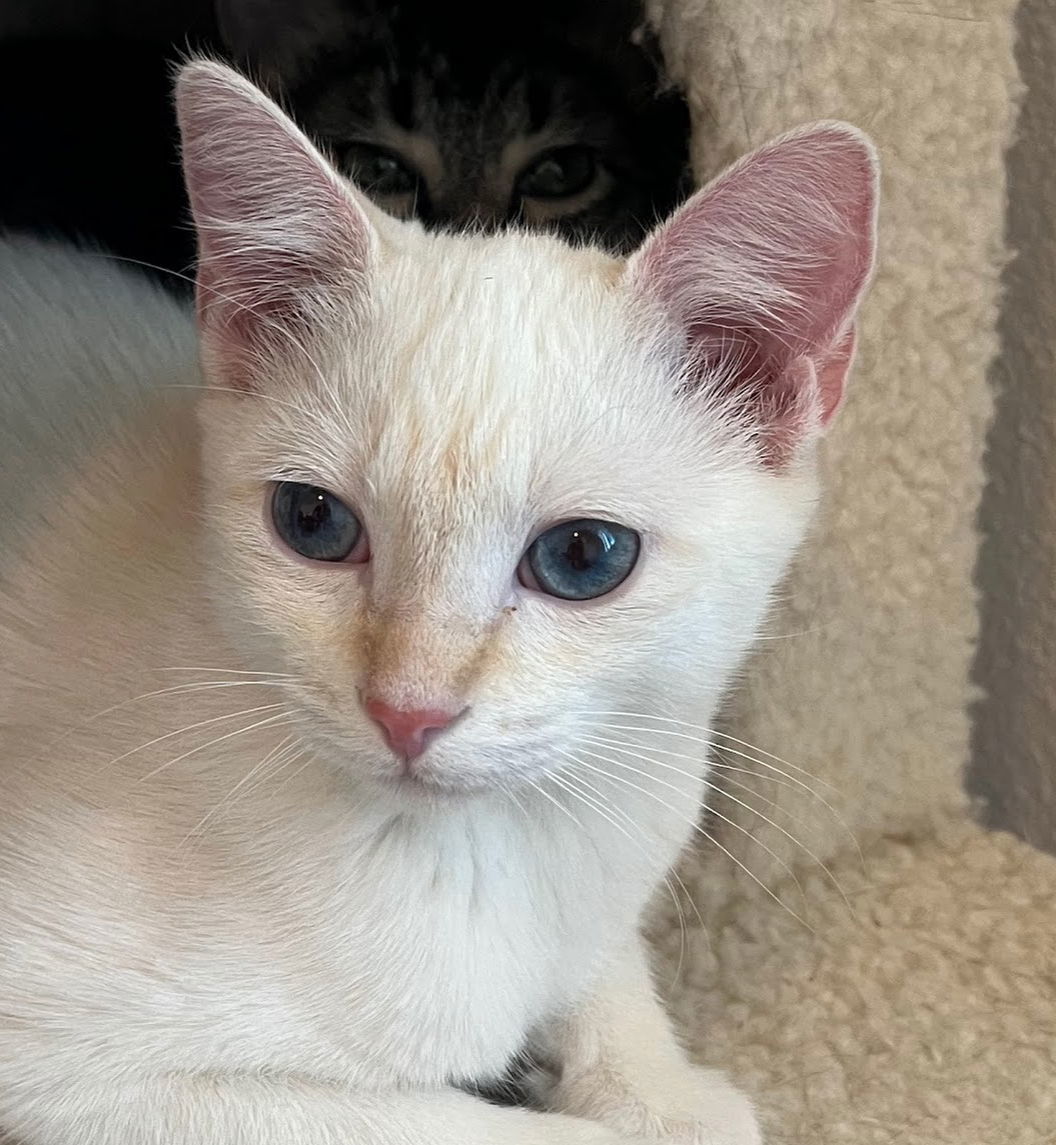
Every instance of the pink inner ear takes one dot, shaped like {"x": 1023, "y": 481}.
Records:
{"x": 765, "y": 267}
{"x": 278, "y": 232}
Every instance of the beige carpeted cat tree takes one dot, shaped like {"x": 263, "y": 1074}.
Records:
{"x": 920, "y": 1004}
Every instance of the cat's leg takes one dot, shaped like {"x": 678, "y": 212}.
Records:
{"x": 616, "y": 1061}
{"x": 217, "y": 1110}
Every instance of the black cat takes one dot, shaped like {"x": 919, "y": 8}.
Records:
{"x": 470, "y": 114}
{"x": 454, "y": 113}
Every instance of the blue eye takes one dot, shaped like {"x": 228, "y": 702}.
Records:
{"x": 315, "y": 523}
{"x": 579, "y": 560}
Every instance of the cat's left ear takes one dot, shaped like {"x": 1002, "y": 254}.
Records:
{"x": 759, "y": 276}
{"x": 283, "y": 242}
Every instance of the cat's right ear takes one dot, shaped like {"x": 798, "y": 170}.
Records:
{"x": 283, "y": 241}
{"x": 760, "y": 274}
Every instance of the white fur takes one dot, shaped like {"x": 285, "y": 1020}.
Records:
{"x": 217, "y": 936}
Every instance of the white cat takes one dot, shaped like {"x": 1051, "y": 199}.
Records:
{"x": 311, "y": 807}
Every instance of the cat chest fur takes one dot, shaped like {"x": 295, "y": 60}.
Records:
{"x": 412, "y": 949}
{"x": 452, "y": 935}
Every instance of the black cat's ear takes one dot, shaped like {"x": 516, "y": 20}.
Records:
{"x": 284, "y": 243}
{"x": 760, "y": 274}
{"x": 276, "y": 39}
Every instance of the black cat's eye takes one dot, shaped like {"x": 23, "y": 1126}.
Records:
{"x": 559, "y": 173}
{"x": 377, "y": 171}
{"x": 316, "y": 524}
{"x": 580, "y": 560}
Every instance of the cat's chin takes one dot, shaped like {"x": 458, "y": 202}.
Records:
{"x": 440, "y": 788}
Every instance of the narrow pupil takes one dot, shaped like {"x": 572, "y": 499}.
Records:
{"x": 317, "y": 515}
{"x": 577, "y": 554}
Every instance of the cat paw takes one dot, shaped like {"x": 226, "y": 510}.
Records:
{"x": 698, "y": 1107}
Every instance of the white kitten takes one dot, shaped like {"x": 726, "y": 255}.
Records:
{"x": 316, "y": 804}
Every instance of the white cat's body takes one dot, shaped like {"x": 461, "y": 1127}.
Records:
{"x": 226, "y": 916}
{"x": 367, "y": 939}
{"x": 356, "y": 935}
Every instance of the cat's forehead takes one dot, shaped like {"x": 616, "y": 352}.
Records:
{"x": 499, "y": 370}
{"x": 508, "y": 331}
{"x": 460, "y": 311}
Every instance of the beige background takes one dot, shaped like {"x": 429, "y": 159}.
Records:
{"x": 1014, "y": 744}
{"x": 916, "y": 1006}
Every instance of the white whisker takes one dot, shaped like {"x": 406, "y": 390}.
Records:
{"x": 696, "y": 739}
{"x": 556, "y": 802}
{"x": 268, "y": 721}
{"x": 565, "y": 780}
{"x": 276, "y": 753}
{"x": 841, "y": 822}
{"x": 189, "y": 728}
{"x": 231, "y": 672}
{"x": 608, "y": 809}
{"x": 711, "y": 745}
{"x": 291, "y": 776}
{"x": 171, "y": 690}
{"x": 630, "y": 821}
{"x": 713, "y": 765}
{"x": 718, "y": 814}
{"x": 790, "y": 782}
{"x": 710, "y": 837}
{"x": 740, "y": 803}
{"x": 515, "y": 799}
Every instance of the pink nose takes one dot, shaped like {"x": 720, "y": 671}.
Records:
{"x": 406, "y": 732}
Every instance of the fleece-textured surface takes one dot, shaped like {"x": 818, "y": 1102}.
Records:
{"x": 924, "y": 1013}
{"x": 930, "y": 1014}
